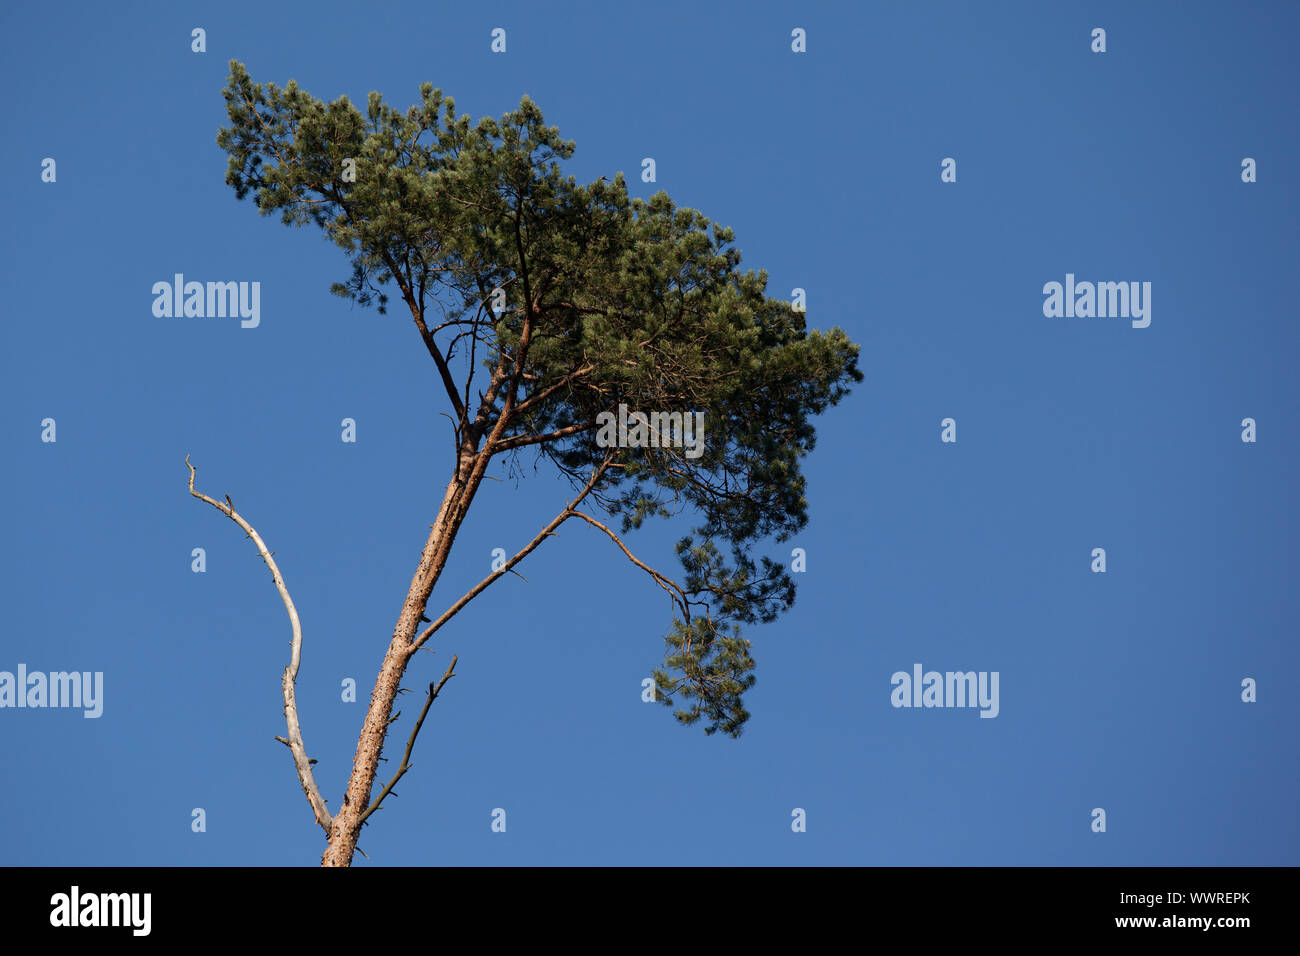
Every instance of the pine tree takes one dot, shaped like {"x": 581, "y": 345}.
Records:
{"x": 550, "y": 309}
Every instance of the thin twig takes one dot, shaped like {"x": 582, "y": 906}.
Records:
{"x": 410, "y": 743}
{"x": 668, "y": 584}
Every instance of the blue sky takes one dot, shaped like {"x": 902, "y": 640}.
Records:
{"x": 1119, "y": 690}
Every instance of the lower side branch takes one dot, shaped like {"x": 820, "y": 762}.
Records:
{"x": 294, "y": 742}
{"x": 410, "y": 743}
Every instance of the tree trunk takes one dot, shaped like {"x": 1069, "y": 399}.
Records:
{"x": 455, "y": 503}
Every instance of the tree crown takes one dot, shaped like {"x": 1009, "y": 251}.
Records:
{"x": 549, "y": 309}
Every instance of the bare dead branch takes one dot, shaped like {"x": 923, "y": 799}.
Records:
{"x": 410, "y": 743}
{"x": 294, "y": 742}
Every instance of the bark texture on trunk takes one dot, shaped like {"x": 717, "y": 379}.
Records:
{"x": 346, "y": 827}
